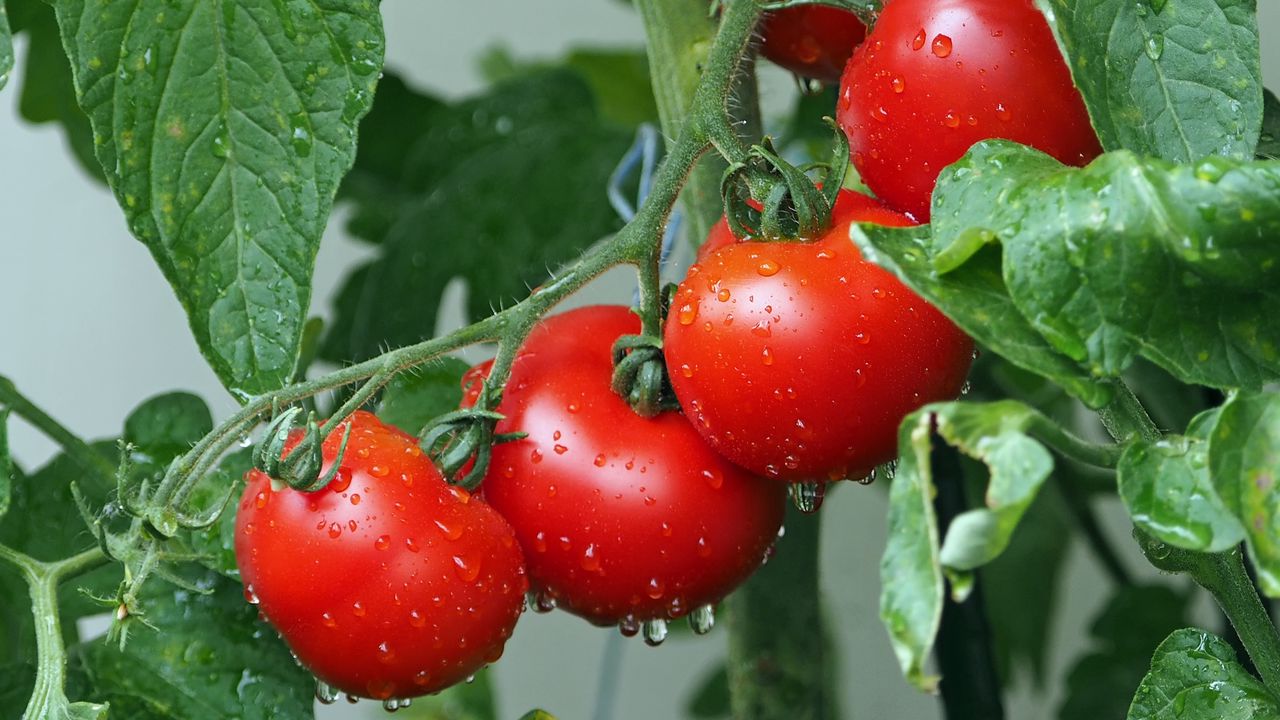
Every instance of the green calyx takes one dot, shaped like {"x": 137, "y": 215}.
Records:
{"x": 300, "y": 468}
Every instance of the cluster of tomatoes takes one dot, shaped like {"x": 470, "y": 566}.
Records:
{"x": 793, "y": 362}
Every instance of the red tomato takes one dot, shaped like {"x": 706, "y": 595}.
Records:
{"x": 387, "y": 583}
{"x": 622, "y": 518}
{"x": 811, "y": 40}
{"x": 799, "y": 360}
{"x": 936, "y": 76}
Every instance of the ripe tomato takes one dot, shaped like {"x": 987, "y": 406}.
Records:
{"x": 936, "y": 76}
{"x": 622, "y": 518}
{"x": 811, "y": 40}
{"x": 387, "y": 583}
{"x": 799, "y": 360}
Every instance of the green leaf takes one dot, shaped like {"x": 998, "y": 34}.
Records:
{"x": 6, "y": 47}
{"x": 504, "y": 187}
{"x": 1134, "y": 620}
{"x": 710, "y": 697}
{"x": 41, "y": 521}
{"x": 1178, "y": 81}
{"x": 1166, "y": 488}
{"x": 618, "y": 78}
{"x": 1125, "y": 257}
{"x": 224, "y": 129}
{"x": 182, "y": 670}
{"x": 468, "y": 701}
{"x": 6, "y": 463}
{"x": 1194, "y": 674}
{"x": 16, "y": 682}
{"x": 974, "y": 296}
{"x": 414, "y": 398}
{"x": 48, "y": 93}
{"x": 1244, "y": 461}
{"x": 1269, "y": 140}
{"x": 912, "y": 568}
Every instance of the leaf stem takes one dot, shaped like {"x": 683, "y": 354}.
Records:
{"x": 1097, "y": 454}
{"x": 78, "y": 450}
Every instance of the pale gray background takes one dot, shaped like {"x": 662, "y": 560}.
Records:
{"x": 91, "y": 329}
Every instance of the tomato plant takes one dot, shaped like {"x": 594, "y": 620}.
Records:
{"x": 811, "y": 40}
{"x": 1101, "y": 185}
{"x": 936, "y": 76}
{"x": 798, "y": 360}
{"x": 623, "y": 519}
{"x": 387, "y": 582}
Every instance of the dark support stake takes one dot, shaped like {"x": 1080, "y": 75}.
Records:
{"x": 970, "y": 686}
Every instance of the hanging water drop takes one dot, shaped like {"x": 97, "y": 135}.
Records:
{"x": 1155, "y": 46}
{"x": 807, "y": 496}
{"x": 326, "y": 693}
{"x": 702, "y": 619}
{"x": 655, "y": 631}
{"x": 391, "y": 705}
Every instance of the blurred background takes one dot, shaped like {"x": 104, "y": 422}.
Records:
{"x": 91, "y": 328}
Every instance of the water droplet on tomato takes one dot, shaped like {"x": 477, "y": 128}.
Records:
{"x": 249, "y": 595}
{"x": 941, "y": 46}
{"x": 918, "y": 41}
{"x": 1002, "y": 112}
{"x": 573, "y": 407}
{"x": 656, "y": 588}
{"x": 766, "y": 356}
{"x": 556, "y": 435}
{"x": 540, "y": 542}
{"x": 341, "y": 480}
{"x": 355, "y": 498}
{"x": 702, "y": 619}
{"x": 666, "y": 530}
{"x": 467, "y": 570}
{"x": 362, "y": 452}
{"x": 380, "y": 689}
{"x": 761, "y": 329}
{"x": 767, "y": 268}
{"x": 951, "y": 120}
{"x": 880, "y": 113}
{"x": 862, "y": 337}
{"x": 859, "y": 378}
{"x": 655, "y": 631}
{"x": 629, "y": 626}
{"x": 379, "y": 471}
{"x": 383, "y": 542}
{"x": 713, "y": 477}
{"x": 417, "y": 619}
{"x": 261, "y": 500}
{"x": 560, "y": 449}
{"x": 422, "y": 678}
{"x": 972, "y": 120}
{"x": 357, "y": 609}
{"x": 351, "y": 525}
{"x": 704, "y": 550}
{"x": 565, "y": 543}
{"x": 248, "y": 527}
{"x": 898, "y": 84}
{"x": 335, "y": 530}
{"x": 551, "y": 491}
{"x": 687, "y": 314}
{"x": 807, "y": 496}
{"x": 542, "y": 602}
{"x": 411, "y": 545}
{"x": 450, "y": 531}
{"x": 877, "y": 293}
{"x": 385, "y": 653}
{"x": 590, "y": 561}
{"x": 535, "y": 456}
{"x": 686, "y": 371}
{"x": 722, "y": 295}
{"x": 600, "y": 460}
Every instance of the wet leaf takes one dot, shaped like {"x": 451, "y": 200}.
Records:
{"x": 181, "y": 670}
{"x": 1178, "y": 81}
{"x": 914, "y": 561}
{"x": 414, "y": 398}
{"x": 167, "y": 425}
{"x": 1125, "y": 257}
{"x": 224, "y": 129}
{"x": 1167, "y": 490}
{"x": 6, "y": 47}
{"x": 1134, "y": 620}
{"x": 1244, "y": 461}
{"x": 1269, "y": 141}
{"x": 1195, "y": 674}
{"x": 497, "y": 190}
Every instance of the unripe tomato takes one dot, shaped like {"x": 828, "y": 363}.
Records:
{"x": 936, "y": 76}
{"x": 622, "y": 519}
{"x": 388, "y": 582}
{"x": 814, "y": 41}
{"x": 799, "y": 360}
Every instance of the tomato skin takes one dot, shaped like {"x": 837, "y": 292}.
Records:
{"x": 621, "y": 518}
{"x": 798, "y": 360}
{"x": 387, "y": 583}
{"x": 868, "y": 209}
{"x": 811, "y": 40}
{"x": 936, "y": 76}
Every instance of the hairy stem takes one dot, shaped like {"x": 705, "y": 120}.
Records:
{"x": 78, "y": 450}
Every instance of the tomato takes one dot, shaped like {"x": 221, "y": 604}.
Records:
{"x": 622, "y": 519}
{"x": 811, "y": 40}
{"x": 936, "y": 76}
{"x": 799, "y": 360}
{"x": 387, "y": 583}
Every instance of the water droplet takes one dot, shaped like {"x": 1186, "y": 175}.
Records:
{"x": 941, "y": 46}
{"x": 1002, "y": 112}
{"x": 300, "y": 134}
{"x": 807, "y": 496}
{"x": 951, "y": 120}
{"x": 328, "y": 620}
{"x": 221, "y": 142}
{"x": 411, "y": 545}
{"x": 540, "y": 542}
{"x": 250, "y": 596}
{"x": 1155, "y": 46}
{"x": 560, "y": 449}
{"x": 600, "y": 460}
{"x": 629, "y": 626}
{"x": 590, "y": 561}
{"x": 723, "y": 295}
{"x": 357, "y": 609}
{"x": 379, "y": 471}
{"x": 383, "y": 542}
{"x": 466, "y": 570}
{"x": 898, "y": 84}
{"x": 714, "y": 478}
{"x": 450, "y": 531}
{"x": 767, "y": 268}
{"x": 385, "y": 653}
{"x": 335, "y": 530}
{"x": 341, "y": 481}
{"x": 704, "y": 550}
{"x": 656, "y": 589}
{"x": 761, "y": 329}
{"x": 862, "y": 337}
{"x": 687, "y": 314}
{"x": 422, "y": 678}
{"x": 417, "y": 619}
{"x": 326, "y": 693}
{"x": 702, "y": 619}
{"x": 655, "y": 631}
{"x": 535, "y": 456}
{"x": 380, "y": 689}
{"x": 261, "y": 499}
{"x": 355, "y": 498}
{"x": 541, "y": 602}
{"x": 392, "y": 704}
{"x": 918, "y": 41}
{"x": 966, "y": 387}
{"x": 766, "y": 356}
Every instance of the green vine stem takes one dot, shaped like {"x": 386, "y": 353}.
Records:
{"x": 1222, "y": 574}
{"x": 781, "y": 663}
{"x": 48, "y": 697}
{"x": 79, "y": 451}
